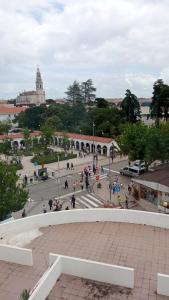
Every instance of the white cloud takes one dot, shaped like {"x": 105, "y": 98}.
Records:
{"x": 120, "y": 44}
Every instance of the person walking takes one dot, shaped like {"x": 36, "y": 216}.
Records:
{"x": 72, "y": 167}
{"x": 127, "y": 203}
{"x": 81, "y": 184}
{"x": 68, "y": 168}
{"x": 129, "y": 189}
{"x": 26, "y": 180}
{"x": 23, "y": 213}
{"x": 73, "y": 200}
{"x": 50, "y": 203}
{"x": 66, "y": 184}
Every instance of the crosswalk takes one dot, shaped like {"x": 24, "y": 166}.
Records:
{"x": 93, "y": 177}
{"x": 89, "y": 201}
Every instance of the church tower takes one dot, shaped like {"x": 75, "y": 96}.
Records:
{"x": 39, "y": 82}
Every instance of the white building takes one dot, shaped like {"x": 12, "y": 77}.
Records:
{"x": 33, "y": 97}
{"x": 9, "y": 113}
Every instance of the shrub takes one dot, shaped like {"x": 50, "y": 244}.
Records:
{"x": 51, "y": 157}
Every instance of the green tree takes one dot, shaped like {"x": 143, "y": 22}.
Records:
{"x": 31, "y": 118}
{"x": 12, "y": 196}
{"x": 131, "y": 107}
{"x": 88, "y": 92}
{"x": 144, "y": 143}
{"x": 101, "y": 103}
{"x": 4, "y": 127}
{"x": 155, "y": 108}
{"x": 27, "y": 140}
{"x": 54, "y": 122}
{"x": 5, "y": 147}
{"x": 47, "y": 133}
{"x": 74, "y": 93}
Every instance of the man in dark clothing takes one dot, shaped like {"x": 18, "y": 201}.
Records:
{"x": 23, "y": 213}
{"x": 50, "y": 202}
{"x": 66, "y": 184}
{"x": 26, "y": 180}
{"x": 73, "y": 200}
{"x": 68, "y": 166}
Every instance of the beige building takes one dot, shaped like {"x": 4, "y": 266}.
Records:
{"x": 31, "y": 98}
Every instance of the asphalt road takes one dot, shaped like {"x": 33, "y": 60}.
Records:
{"x": 40, "y": 193}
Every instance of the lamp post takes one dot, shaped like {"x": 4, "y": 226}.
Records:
{"x": 93, "y": 146}
{"x": 58, "y": 178}
{"x": 110, "y": 183}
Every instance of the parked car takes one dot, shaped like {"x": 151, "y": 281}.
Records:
{"x": 140, "y": 164}
{"x": 132, "y": 171}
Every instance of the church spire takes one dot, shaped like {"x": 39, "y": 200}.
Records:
{"x": 39, "y": 82}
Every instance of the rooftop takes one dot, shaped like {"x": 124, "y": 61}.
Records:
{"x": 89, "y": 138}
{"x": 159, "y": 175}
{"x": 18, "y": 135}
{"x": 144, "y": 248}
{"x": 11, "y": 110}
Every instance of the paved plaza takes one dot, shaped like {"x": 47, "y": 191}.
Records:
{"x": 144, "y": 248}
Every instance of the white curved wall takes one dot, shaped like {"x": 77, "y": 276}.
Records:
{"x": 84, "y": 215}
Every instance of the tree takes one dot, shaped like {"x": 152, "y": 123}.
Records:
{"x": 74, "y": 93}
{"x": 54, "y": 122}
{"x": 145, "y": 143}
{"x": 47, "y": 133}
{"x": 131, "y": 107}
{"x": 31, "y": 118}
{"x": 88, "y": 91}
{"x": 12, "y": 196}
{"x": 4, "y": 127}
{"x": 164, "y": 101}
{"x": 101, "y": 103}
{"x": 5, "y": 147}
{"x": 26, "y": 134}
{"x": 155, "y": 108}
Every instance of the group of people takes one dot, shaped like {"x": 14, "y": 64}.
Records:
{"x": 54, "y": 205}
{"x": 70, "y": 166}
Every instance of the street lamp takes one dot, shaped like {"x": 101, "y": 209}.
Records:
{"x": 110, "y": 183}
{"x": 93, "y": 146}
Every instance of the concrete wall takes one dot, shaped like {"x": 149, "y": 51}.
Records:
{"x": 163, "y": 284}
{"x": 82, "y": 268}
{"x": 82, "y": 215}
{"x": 16, "y": 255}
{"x": 47, "y": 281}
{"x": 96, "y": 270}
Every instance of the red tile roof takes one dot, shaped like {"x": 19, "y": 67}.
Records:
{"x": 11, "y": 110}
{"x": 89, "y": 138}
{"x": 68, "y": 135}
{"x": 18, "y": 135}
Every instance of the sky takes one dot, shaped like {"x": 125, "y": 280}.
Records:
{"x": 120, "y": 45}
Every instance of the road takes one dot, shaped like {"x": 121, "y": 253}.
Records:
{"x": 40, "y": 193}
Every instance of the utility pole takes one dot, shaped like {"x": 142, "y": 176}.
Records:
{"x": 93, "y": 146}
{"x": 58, "y": 177}
{"x": 110, "y": 183}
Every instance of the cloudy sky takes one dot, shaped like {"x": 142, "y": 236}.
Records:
{"x": 119, "y": 44}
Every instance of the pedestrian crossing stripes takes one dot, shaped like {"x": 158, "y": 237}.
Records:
{"x": 93, "y": 177}
{"x": 89, "y": 201}
{"x": 100, "y": 176}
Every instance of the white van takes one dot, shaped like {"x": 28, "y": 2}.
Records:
{"x": 132, "y": 171}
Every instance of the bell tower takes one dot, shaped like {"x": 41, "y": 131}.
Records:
{"x": 39, "y": 82}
